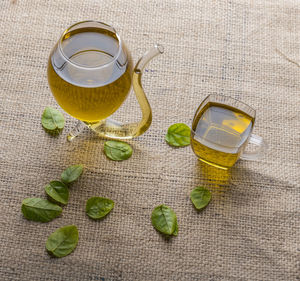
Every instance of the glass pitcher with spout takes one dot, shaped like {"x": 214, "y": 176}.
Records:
{"x": 90, "y": 74}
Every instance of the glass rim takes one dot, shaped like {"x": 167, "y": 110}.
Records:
{"x": 231, "y": 98}
{"x": 115, "y": 57}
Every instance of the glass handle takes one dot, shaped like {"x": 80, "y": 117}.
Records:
{"x": 259, "y": 152}
{"x": 146, "y": 120}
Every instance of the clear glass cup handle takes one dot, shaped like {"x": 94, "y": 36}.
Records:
{"x": 259, "y": 152}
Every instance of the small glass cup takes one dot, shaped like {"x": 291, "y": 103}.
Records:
{"x": 221, "y": 129}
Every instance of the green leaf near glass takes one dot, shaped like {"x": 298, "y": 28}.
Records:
{"x": 90, "y": 74}
{"x": 117, "y": 150}
{"x": 178, "y": 134}
{"x": 63, "y": 241}
{"x": 164, "y": 220}
{"x": 41, "y": 210}
{"x": 58, "y": 192}
{"x": 200, "y": 196}
{"x": 72, "y": 173}
{"x": 98, "y": 207}
{"x": 52, "y": 121}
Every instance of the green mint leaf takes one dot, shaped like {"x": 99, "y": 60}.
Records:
{"x": 117, "y": 150}
{"x": 38, "y": 209}
{"x": 72, "y": 173}
{"x": 52, "y": 120}
{"x": 98, "y": 207}
{"x": 178, "y": 135}
{"x": 58, "y": 191}
{"x": 200, "y": 196}
{"x": 164, "y": 220}
{"x": 63, "y": 241}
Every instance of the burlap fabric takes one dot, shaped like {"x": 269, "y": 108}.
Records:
{"x": 250, "y": 231}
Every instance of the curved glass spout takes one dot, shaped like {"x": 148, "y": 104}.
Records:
{"x": 116, "y": 130}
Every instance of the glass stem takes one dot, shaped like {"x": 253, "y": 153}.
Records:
{"x": 79, "y": 127}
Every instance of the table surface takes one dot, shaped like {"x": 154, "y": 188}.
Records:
{"x": 249, "y": 50}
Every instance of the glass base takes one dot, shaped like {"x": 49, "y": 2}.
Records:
{"x": 109, "y": 128}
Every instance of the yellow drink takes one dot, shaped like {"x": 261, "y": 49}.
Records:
{"x": 220, "y": 134}
{"x": 80, "y": 90}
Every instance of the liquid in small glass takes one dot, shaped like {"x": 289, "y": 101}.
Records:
{"x": 220, "y": 133}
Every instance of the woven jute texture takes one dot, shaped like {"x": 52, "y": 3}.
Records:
{"x": 249, "y": 50}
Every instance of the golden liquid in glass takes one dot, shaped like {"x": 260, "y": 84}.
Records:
{"x": 80, "y": 91}
{"x": 220, "y": 134}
